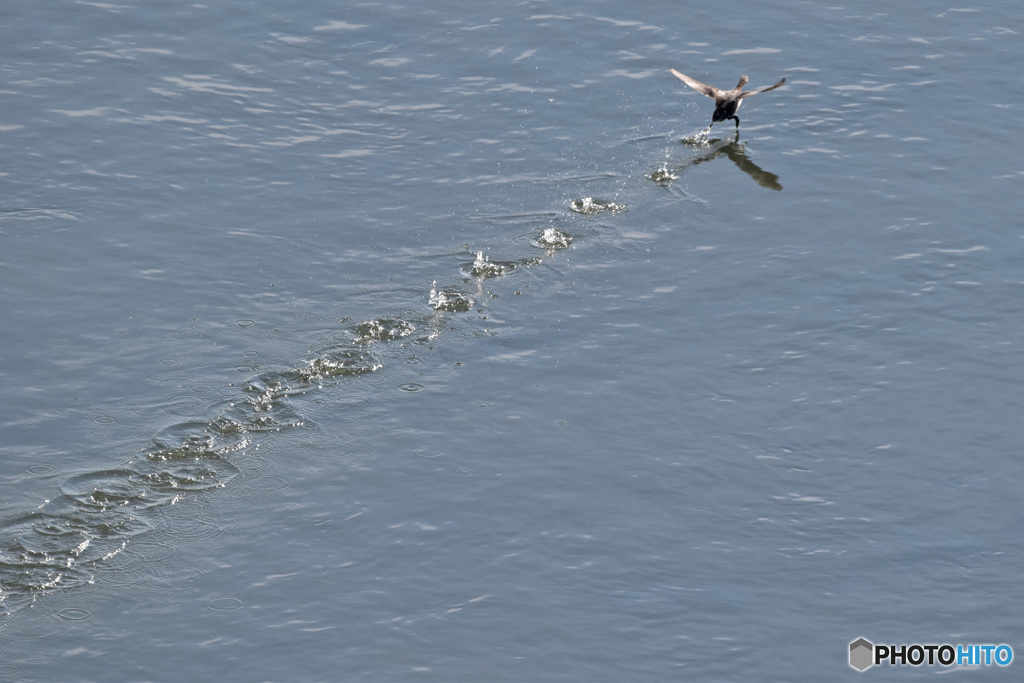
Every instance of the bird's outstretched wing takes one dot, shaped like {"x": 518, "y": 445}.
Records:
{"x": 701, "y": 87}
{"x": 770, "y": 87}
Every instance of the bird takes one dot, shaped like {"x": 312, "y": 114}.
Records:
{"x": 726, "y": 101}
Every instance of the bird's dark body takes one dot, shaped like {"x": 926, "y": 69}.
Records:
{"x": 725, "y": 111}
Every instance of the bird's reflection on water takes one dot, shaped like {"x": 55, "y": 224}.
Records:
{"x": 732, "y": 148}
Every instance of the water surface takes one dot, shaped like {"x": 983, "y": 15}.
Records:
{"x": 391, "y": 342}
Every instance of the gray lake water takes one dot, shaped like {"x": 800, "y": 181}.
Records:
{"x": 432, "y": 341}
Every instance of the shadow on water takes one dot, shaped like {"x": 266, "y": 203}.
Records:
{"x": 710, "y": 149}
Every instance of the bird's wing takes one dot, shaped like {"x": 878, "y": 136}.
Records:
{"x": 770, "y": 87}
{"x": 697, "y": 85}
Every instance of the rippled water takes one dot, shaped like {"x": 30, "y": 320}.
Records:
{"x": 381, "y": 342}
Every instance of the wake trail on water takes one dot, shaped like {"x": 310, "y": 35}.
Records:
{"x": 81, "y": 536}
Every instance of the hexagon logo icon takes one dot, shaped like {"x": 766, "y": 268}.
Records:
{"x": 861, "y": 654}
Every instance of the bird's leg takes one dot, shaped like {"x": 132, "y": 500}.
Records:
{"x": 737, "y": 121}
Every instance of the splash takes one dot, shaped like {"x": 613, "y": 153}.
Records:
{"x": 384, "y": 329}
{"x": 700, "y": 138}
{"x": 553, "y": 238}
{"x": 591, "y": 205}
{"x": 484, "y": 268}
{"x": 663, "y": 174}
{"x": 449, "y": 299}
{"x": 337, "y": 364}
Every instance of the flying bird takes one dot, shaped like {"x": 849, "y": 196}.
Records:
{"x": 726, "y": 101}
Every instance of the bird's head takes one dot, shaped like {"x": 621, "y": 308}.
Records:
{"x": 743, "y": 82}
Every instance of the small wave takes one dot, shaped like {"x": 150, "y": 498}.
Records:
{"x": 35, "y": 214}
